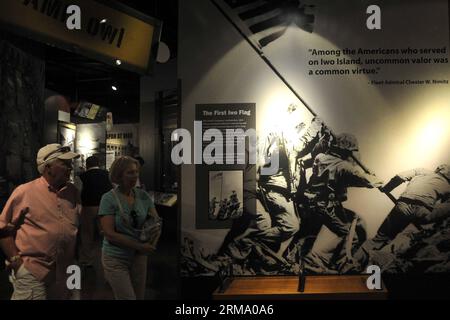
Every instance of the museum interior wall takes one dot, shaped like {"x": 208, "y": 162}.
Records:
{"x": 385, "y": 90}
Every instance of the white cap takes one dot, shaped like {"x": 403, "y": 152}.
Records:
{"x": 51, "y": 152}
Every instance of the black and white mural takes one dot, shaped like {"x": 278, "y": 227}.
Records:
{"x": 359, "y": 120}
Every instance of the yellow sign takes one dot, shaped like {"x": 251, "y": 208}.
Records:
{"x": 93, "y": 111}
{"x": 109, "y": 31}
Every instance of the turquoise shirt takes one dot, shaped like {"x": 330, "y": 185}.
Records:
{"x": 110, "y": 206}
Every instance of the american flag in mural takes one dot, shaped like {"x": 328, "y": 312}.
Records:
{"x": 267, "y": 20}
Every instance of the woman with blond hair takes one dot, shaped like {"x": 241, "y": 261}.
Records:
{"x": 131, "y": 228}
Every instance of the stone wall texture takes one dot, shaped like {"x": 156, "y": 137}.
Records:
{"x": 22, "y": 82}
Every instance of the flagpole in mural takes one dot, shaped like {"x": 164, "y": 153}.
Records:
{"x": 221, "y": 186}
{"x": 269, "y": 20}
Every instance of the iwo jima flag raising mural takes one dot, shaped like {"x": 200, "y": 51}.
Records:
{"x": 264, "y": 21}
{"x": 302, "y": 222}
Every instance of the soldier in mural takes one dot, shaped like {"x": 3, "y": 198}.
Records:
{"x": 234, "y": 206}
{"x": 228, "y": 209}
{"x": 276, "y": 236}
{"x": 426, "y": 200}
{"x": 339, "y": 228}
{"x": 259, "y": 246}
{"x": 315, "y": 140}
{"x": 275, "y": 197}
{"x": 234, "y": 198}
{"x": 223, "y": 210}
{"x": 212, "y": 208}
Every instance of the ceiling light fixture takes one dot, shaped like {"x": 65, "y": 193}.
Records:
{"x": 103, "y": 20}
{"x": 118, "y": 62}
{"x": 114, "y": 88}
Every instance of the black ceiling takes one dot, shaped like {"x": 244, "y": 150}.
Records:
{"x": 81, "y": 78}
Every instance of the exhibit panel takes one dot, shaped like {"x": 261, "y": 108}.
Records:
{"x": 229, "y": 180}
{"x": 354, "y": 102}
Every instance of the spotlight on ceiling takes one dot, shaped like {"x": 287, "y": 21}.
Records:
{"x": 114, "y": 88}
{"x": 118, "y": 62}
{"x": 103, "y": 20}
{"x": 163, "y": 54}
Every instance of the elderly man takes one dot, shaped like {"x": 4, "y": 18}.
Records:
{"x": 42, "y": 247}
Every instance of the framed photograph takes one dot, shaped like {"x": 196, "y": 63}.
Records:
{"x": 67, "y": 137}
{"x": 225, "y": 194}
{"x": 67, "y": 133}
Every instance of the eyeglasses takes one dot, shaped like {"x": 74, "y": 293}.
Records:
{"x": 134, "y": 218}
{"x": 62, "y": 150}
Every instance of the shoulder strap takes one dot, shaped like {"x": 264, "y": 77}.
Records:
{"x": 122, "y": 213}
